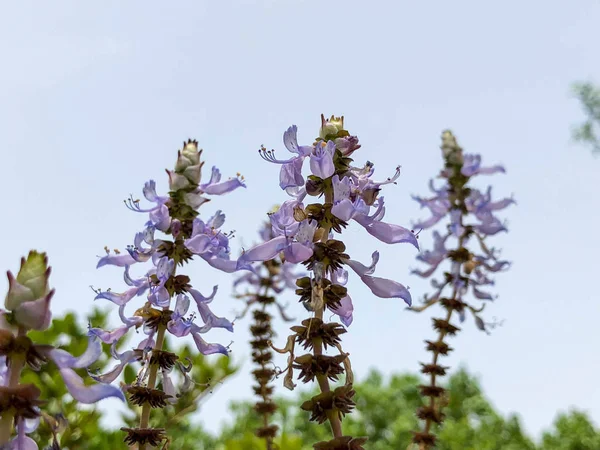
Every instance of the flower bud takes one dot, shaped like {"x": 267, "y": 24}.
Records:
{"x": 191, "y": 152}
{"x": 187, "y": 168}
{"x": 177, "y": 181}
{"x": 369, "y": 195}
{"x": 31, "y": 282}
{"x": 314, "y": 185}
{"x": 331, "y": 126}
{"x": 450, "y": 148}
{"x": 175, "y": 227}
{"x": 347, "y": 145}
{"x": 35, "y": 315}
{"x": 299, "y": 213}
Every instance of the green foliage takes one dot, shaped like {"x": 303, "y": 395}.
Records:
{"x": 82, "y": 423}
{"x": 573, "y": 431}
{"x": 386, "y": 415}
{"x": 386, "y": 409}
{"x": 589, "y": 131}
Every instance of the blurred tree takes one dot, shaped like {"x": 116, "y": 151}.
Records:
{"x": 386, "y": 411}
{"x": 386, "y": 415}
{"x": 572, "y": 431}
{"x": 589, "y": 131}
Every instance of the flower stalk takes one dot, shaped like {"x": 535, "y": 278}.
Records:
{"x": 15, "y": 366}
{"x": 152, "y": 377}
{"x": 468, "y": 272}
{"x": 262, "y": 356}
{"x": 186, "y": 236}
{"x": 268, "y": 280}
{"x": 307, "y": 235}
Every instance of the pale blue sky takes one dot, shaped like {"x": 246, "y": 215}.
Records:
{"x": 96, "y": 100}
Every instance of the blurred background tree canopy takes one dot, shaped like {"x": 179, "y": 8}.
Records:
{"x": 385, "y": 411}
{"x": 589, "y": 131}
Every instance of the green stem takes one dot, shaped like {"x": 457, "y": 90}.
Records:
{"x": 145, "y": 417}
{"x": 441, "y": 336}
{"x": 334, "y": 420}
{"x": 17, "y": 362}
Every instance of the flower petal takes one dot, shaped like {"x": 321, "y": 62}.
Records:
{"x": 88, "y": 394}
{"x": 384, "y": 288}
{"x": 116, "y": 298}
{"x": 224, "y": 187}
{"x": 481, "y": 295}
{"x": 297, "y": 252}
{"x": 35, "y": 315}
{"x": 160, "y": 218}
{"x": 211, "y": 320}
{"x": 112, "y": 375}
{"x": 360, "y": 268}
{"x": 22, "y": 442}
{"x": 265, "y": 251}
{"x": 321, "y": 161}
{"x": 64, "y": 359}
{"x": 226, "y": 265}
{"x": 168, "y": 387}
{"x": 290, "y": 174}
{"x": 344, "y": 209}
{"x": 345, "y": 310}
{"x": 290, "y": 139}
{"x": 110, "y": 337}
{"x": 116, "y": 260}
{"x": 387, "y": 232}
{"x": 199, "y": 298}
{"x": 206, "y": 348}
{"x": 199, "y": 244}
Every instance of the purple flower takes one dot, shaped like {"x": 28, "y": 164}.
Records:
{"x": 186, "y": 235}
{"x": 217, "y": 187}
{"x": 80, "y": 392}
{"x": 22, "y": 441}
{"x": 355, "y": 197}
{"x": 477, "y": 203}
{"x": 381, "y": 287}
{"x": 470, "y": 215}
{"x": 433, "y": 257}
{"x": 291, "y": 169}
{"x": 321, "y": 161}
{"x": 472, "y": 166}
{"x": 212, "y": 245}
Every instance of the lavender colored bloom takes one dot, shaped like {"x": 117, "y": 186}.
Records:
{"x": 477, "y": 205}
{"x": 355, "y": 196}
{"x": 469, "y": 218}
{"x": 22, "y": 441}
{"x": 345, "y": 310}
{"x": 185, "y": 235}
{"x": 202, "y": 238}
{"x": 321, "y": 160}
{"x": 307, "y": 234}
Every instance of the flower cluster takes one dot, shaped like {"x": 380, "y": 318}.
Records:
{"x": 470, "y": 216}
{"x": 27, "y": 306}
{"x": 305, "y": 234}
{"x": 186, "y": 236}
{"x": 263, "y": 285}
